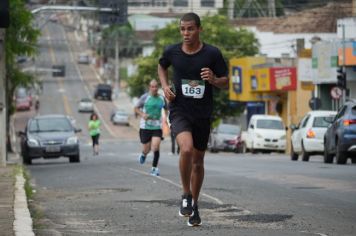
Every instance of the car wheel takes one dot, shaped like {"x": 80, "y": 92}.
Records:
{"x": 75, "y": 158}
{"x": 340, "y": 155}
{"x": 244, "y": 148}
{"x": 293, "y": 155}
{"x": 213, "y": 149}
{"x": 353, "y": 160}
{"x": 26, "y": 159}
{"x": 328, "y": 157}
{"x": 305, "y": 154}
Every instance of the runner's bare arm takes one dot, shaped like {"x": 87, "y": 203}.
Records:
{"x": 141, "y": 113}
{"x": 208, "y": 75}
{"x": 163, "y": 78}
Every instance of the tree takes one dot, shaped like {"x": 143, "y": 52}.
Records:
{"x": 20, "y": 39}
{"x": 216, "y": 31}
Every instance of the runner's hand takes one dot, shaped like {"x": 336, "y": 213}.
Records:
{"x": 207, "y": 75}
{"x": 144, "y": 116}
{"x": 168, "y": 93}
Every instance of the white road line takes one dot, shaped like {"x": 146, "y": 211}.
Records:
{"x": 13, "y": 133}
{"x": 218, "y": 201}
{"x": 86, "y": 88}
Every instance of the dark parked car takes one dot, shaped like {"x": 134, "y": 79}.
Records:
{"x": 225, "y": 137}
{"x": 103, "y": 91}
{"x": 49, "y": 136}
{"x": 340, "y": 137}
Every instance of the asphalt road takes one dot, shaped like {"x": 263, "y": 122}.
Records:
{"x": 111, "y": 194}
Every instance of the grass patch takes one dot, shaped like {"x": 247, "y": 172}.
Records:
{"x": 37, "y": 214}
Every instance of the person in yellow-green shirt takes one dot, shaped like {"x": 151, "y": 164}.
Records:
{"x": 94, "y": 131}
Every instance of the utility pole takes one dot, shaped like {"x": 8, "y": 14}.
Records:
{"x": 230, "y": 9}
{"x": 3, "y": 105}
{"x": 271, "y": 8}
{"x": 117, "y": 66}
{"x": 345, "y": 92}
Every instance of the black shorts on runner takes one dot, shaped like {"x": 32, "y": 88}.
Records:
{"x": 95, "y": 139}
{"x": 147, "y": 134}
{"x": 200, "y": 129}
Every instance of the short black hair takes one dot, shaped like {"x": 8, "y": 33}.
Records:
{"x": 191, "y": 16}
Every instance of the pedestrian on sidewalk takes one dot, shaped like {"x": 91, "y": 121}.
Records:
{"x": 94, "y": 131}
{"x": 197, "y": 67}
{"x": 149, "y": 108}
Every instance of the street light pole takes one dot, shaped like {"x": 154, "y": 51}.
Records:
{"x": 343, "y": 62}
{"x": 3, "y": 104}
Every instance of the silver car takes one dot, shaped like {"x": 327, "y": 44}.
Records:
{"x": 83, "y": 59}
{"x": 120, "y": 117}
{"x": 225, "y": 137}
{"x": 85, "y": 105}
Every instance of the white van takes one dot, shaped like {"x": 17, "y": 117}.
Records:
{"x": 265, "y": 133}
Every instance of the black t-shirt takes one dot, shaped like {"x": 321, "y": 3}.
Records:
{"x": 194, "y": 96}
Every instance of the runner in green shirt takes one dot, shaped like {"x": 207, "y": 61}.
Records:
{"x": 94, "y": 131}
{"x": 149, "y": 107}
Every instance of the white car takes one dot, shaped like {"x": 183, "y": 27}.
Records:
{"x": 120, "y": 117}
{"x": 308, "y": 136}
{"x": 85, "y": 105}
{"x": 265, "y": 133}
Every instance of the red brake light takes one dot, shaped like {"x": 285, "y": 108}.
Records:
{"x": 310, "y": 134}
{"x": 349, "y": 122}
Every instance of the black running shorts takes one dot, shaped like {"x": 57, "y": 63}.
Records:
{"x": 200, "y": 128}
{"x": 147, "y": 134}
{"x": 95, "y": 139}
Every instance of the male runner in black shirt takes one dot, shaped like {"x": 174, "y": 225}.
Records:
{"x": 197, "y": 67}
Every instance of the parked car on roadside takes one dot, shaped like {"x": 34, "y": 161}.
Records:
{"x": 83, "y": 59}
{"x": 120, "y": 117}
{"x": 85, "y": 105}
{"x": 225, "y": 137}
{"x": 23, "y": 93}
{"x": 308, "y": 136}
{"x": 103, "y": 91}
{"x": 49, "y": 136}
{"x": 340, "y": 137}
{"x": 265, "y": 133}
{"x": 22, "y": 104}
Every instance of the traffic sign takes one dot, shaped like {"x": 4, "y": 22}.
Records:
{"x": 336, "y": 92}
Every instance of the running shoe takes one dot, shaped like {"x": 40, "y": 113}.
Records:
{"x": 186, "y": 205}
{"x": 154, "y": 171}
{"x": 194, "y": 220}
{"x": 142, "y": 159}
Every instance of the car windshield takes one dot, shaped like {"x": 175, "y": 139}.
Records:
{"x": 321, "y": 121}
{"x": 50, "y": 125}
{"x": 85, "y": 100}
{"x": 121, "y": 113}
{"x": 353, "y": 111}
{"x": 229, "y": 129}
{"x": 269, "y": 124}
{"x": 21, "y": 93}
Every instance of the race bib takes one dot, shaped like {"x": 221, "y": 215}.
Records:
{"x": 193, "y": 88}
{"x": 153, "y": 123}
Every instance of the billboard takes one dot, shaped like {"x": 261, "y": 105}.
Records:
{"x": 350, "y": 54}
{"x": 283, "y": 78}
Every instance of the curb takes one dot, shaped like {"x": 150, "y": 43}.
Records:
{"x": 23, "y": 221}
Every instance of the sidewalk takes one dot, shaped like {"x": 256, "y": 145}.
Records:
{"x": 15, "y": 218}
{"x": 7, "y": 190}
